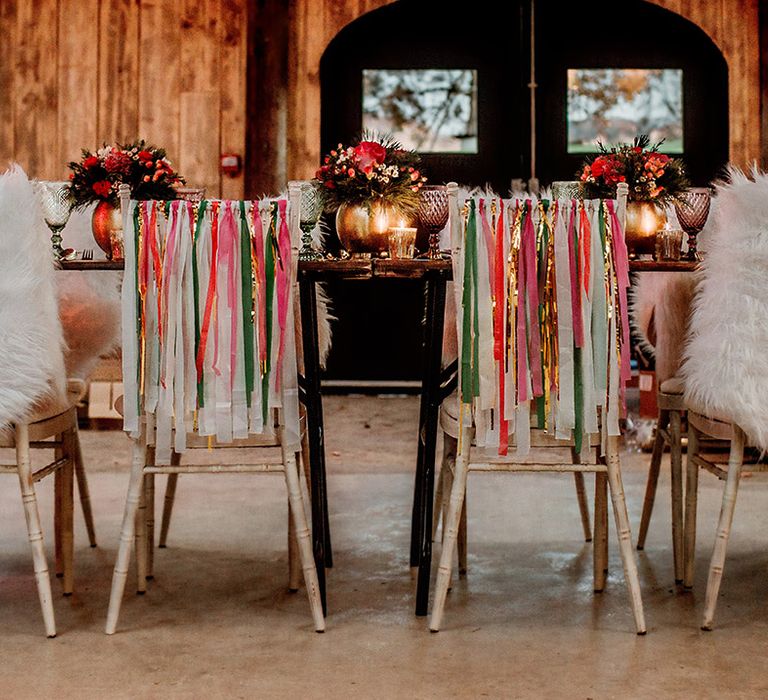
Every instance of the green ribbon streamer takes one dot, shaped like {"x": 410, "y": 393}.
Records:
{"x": 247, "y": 287}
{"x": 196, "y": 292}
{"x": 269, "y": 270}
{"x": 470, "y": 371}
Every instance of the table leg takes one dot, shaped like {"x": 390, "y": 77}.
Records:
{"x": 321, "y": 543}
{"x": 430, "y": 407}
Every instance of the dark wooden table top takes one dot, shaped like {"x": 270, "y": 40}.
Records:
{"x": 662, "y": 265}
{"x": 353, "y": 268}
{"x": 356, "y": 268}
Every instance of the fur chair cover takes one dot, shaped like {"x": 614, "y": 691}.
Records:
{"x": 31, "y": 343}
{"x": 725, "y": 365}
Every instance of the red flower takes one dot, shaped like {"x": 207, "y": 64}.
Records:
{"x": 145, "y": 155}
{"x": 118, "y": 162}
{"x": 369, "y": 153}
{"x": 90, "y": 162}
{"x": 330, "y": 184}
{"x": 102, "y": 188}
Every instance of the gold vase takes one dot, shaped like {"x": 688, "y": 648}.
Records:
{"x": 643, "y": 220}
{"x": 364, "y": 230}
{"x": 107, "y": 227}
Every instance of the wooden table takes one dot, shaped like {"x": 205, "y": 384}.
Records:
{"x": 436, "y": 384}
{"x": 662, "y": 265}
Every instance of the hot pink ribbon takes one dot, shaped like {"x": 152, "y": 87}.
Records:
{"x": 621, "y": 261}
{"x": 283, "y": 275}
{"x": 578, "y": 326}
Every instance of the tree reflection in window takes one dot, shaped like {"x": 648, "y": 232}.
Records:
{"x": 613, "y": 105}
{"x": 430, "y": 111}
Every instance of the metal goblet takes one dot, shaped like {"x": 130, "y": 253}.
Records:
{"x": 433, "y": 216}
{"x": 692, "y": 208}
{"x": 56, "y": 205}
{"x": 311, "y": 208}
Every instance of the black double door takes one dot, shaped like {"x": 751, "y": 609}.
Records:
{"x": 377, "y": 336}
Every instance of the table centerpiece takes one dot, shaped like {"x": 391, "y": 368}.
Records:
{"x": 655, "y": 181}
{"x": 371, "y": 186}
{"x": 97, "y": 177}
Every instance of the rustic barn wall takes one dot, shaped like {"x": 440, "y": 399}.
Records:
{"x": 732, "y": 24}
{"x": 76, "y": 73}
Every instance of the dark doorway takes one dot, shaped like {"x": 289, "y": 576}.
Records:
{"x": 632, "y": 34}
{"x": 377, "y": 336}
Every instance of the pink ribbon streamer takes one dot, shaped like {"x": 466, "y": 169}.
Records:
{"x": 578, "y": 325}
{"x": 283, "y": 274}
{"x": 228, "y": 241}
{"x": 621, "y": 261}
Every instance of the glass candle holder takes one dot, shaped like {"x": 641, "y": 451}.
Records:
{"x": 402, "y": 242}
{"x": 669, "y": 243}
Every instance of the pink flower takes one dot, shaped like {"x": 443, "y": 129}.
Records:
{"x": 367, "y": 154}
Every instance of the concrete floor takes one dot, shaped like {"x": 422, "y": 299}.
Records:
{"x": 218, "y": 621}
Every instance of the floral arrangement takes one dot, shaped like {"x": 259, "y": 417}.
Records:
{"x": 375, "y": 169}
{"x": 97, "y": 176}
{"x": 651, "y": 176}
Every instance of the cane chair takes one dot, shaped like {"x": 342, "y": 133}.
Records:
{"x": 543, "y": 356}
{"x": 724, "y": 368}
{"x": 36, "y": 411}
{"x": 218, "y": 278}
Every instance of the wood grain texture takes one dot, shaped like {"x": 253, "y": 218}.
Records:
{"x": 733, "y": 25}
{"x": 233, "y": 59}
{"x": 77, "y": 81}
{"x": 199, "y": 139}
{"x": 199, "y": 108}
{"x": 7, "y": 78}
{"x": 159, "y": 74}
{"x": 118, "y": 86}
{"x": 35, "y": 88}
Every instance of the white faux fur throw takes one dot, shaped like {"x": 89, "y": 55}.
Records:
{"x": 31, "y": 345}
{"x": 725, "y": 367}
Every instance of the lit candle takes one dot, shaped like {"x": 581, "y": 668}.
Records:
{"x": 402, "y": 241}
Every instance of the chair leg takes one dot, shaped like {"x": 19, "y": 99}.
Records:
{"x": 600, "y": 543}
{"x": 140, "y": 534}
{"x": 691, "y": 503}
{"x": 462, "y": 538}
{"x": 294, "y": 561}
{"x": 34, "y": 529}
{"x": 581, "y": 496}
{"x": 299, "y": 514}
{"x": 58, "y": 505}
{"x": 676, "y": 475}
{"x": 653, "y": 478}
{"x": 82, "y": 489}
{"x": 120, "y": 574}
{"x": 67, "y": 521}
{"x": 170, "y": 497}
{"x": 149, "y": 485}
{"x": 735, "y": 463}
{"x": 438, "y": 508}
{"x": 450, "y": 530}
{"x": 623, "y": 533}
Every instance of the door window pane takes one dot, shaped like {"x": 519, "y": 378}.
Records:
{"x": 613, "y": 105}
{"x": 430, "y": 111}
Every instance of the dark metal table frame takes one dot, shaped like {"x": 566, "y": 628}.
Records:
{"x": 436, "y": 383}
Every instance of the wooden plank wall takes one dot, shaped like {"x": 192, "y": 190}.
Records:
{"x": 732, "y": 24}
{"x": 204, "y": 77}
{"x": 77, "y": 73}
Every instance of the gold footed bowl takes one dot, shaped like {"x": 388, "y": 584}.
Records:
{"x": 364, "y": 231}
